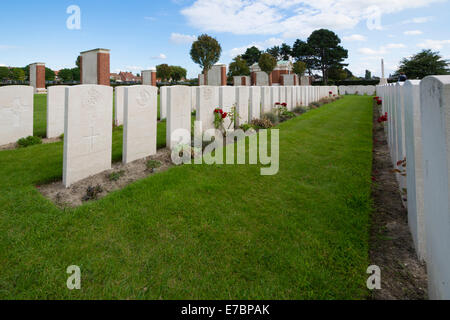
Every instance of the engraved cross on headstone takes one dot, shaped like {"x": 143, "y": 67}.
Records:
{"x": 92, "y": 137}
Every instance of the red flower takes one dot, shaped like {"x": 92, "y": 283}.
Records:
{"x": 379, "y": 102}
{"x": 224, "y": 115}
{"x": 331, "y": 92}
{"x": 277, "y": 104}
{"x": 376, "y": 98}
{"x": 284, "y": 104}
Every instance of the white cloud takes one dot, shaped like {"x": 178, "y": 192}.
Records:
{"x": 290, "y": 18}
{"x": 382, "y": 50}
{"x": 179, "y": 38}
{"x": 413, "y": 33}
{"x": 134, "y": 68}
{"x": 418, "y": 20}
{"x": 433, "y": 44}
{"x": 355, "y": 37}
{"x": 150, "y": 18}
{"x": 6, "y": 47}
{"x": 260, "y": 45}
{"x": 2, "y": 65}
{"x": 161, "y": 56}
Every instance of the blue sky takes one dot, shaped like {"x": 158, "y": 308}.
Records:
{"x": 143, "y": 34}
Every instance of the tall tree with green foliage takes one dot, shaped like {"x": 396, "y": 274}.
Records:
{"x": 368, "y": 75}
{"x": 301, "y": 51}
{"x": 66, "y": 75}
{"x": 17, "y": 74}
{"x": 267, "y": 63}
{"x": 239, "y": 67}
{"x": 4, "y": 73}
{"x": 299, "y": 68}
{"x": 275, "y": 52}
{"x": 49, "y": 74}
{"x": 76, "y": 74}
{"x": 205, "y": 52}
{"x": 285, "y": 52}
{"x": 177, "y": 73}
{"x": 163, "y": 72}
{"x": 327, "y": 52}
{"x": 251, "y": 55}
{"x": 422, "y": 64}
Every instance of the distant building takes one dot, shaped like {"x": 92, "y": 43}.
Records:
{"x": 125, "y": 77}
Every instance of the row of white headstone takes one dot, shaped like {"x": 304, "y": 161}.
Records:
{"x": 418, "y": 129}
{"x": 84, "y": 115}
{"x": 358, "y": 90}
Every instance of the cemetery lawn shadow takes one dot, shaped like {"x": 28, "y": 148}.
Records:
{"x": 202, "y": 232}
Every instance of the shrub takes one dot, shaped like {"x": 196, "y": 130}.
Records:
{"x": 246, "y": 127}
{"x": 301, "y": 110}
{"x": 29, "y": 141}
{"x": 115, "y": 176}
{"x": 153, "y": 164}
{"x": 273, "y": 117}
{"x": 314, "y": 105}
{"x": 262, "y": 123}
{"x": 92, "y": 193}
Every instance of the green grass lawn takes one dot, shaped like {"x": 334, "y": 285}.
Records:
{"x": 202, "y": 232}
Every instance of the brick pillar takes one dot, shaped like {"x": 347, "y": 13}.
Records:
{"x": 243, "y": 81}
{"x": 253, "y": 78}
{"x": 37, "y": 77}
{"x": 224, "y": 75}
{"x": 95, "y": 67}
{"x": 295, "y": 80}
{"x": 281, "y": 80}
{"x": 149, "y": 77}
{"x": 271, "y": 79}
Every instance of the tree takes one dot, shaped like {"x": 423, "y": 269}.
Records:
{"x": 275, "y": 52}
{"x": 327, "y": 51}
{"x": 17, "y": 74}
{"x": 252, "y": 55}
{"x": 267, "y": 63}
{"x": 299, "y": 68}
{"x": 177, "y": 73}
{"x": 76, "y": 74}
{"x": 301, "y": 51}
{"x": 338, "y": 74}
{"x": 422, "y": 64}
{"x": 239, "y": 67}
{"x": 206, "y": 52}
{"x": 78, "y": 62}
{"x": 4, "y": 73}
{"x": 49, "y": 74}
{"x": 66, "y": 75}
{"x": 285, "y": 52}
{"x": 368, "y": 75}
{"x": 163, "y": 72}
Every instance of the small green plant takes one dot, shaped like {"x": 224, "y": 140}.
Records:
{"x": 61, "y": 136}
{"x": 153, "y": 164}
{"x": 262, "y": 124}
{"x": 29, "y": 141}
{"x": 115, "y": 176}
{"x": 92, "y": 193}
{"x": 246, "y": 127}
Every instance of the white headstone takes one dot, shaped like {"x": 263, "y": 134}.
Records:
{"x": 207, "y": 102}
{"x": 255, "y": 103}
{"x": 16, "y": 113}
{"x": 193, "y": 98}
{"x": 227, "y": 100}
{"x": 413, "y": 143}
{"x": 87, "y": 132}
{"x": 118, "y": 105}
{"x": 274, "y": 97}
{"x": 242, "y": 105}
{"x": 282, "y": 94}
{"x": 435, "y": 115}
{"x": 140, "y": 121}
{"x": 56, "y": 100}
{"x": 266, "y": 100}
{"x": 288, "y": 97}
{"x": 178, "y": 115}
{"x": 163, "y": 103}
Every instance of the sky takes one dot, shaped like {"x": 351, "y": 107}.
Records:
{"x": 142, "y": 34}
